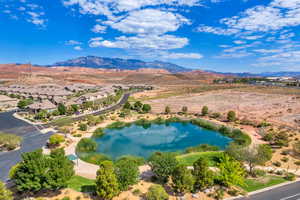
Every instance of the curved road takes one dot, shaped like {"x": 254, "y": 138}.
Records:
{"x": 32, "y": 138}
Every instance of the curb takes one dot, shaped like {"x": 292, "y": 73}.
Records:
{"x": 264, "y": 189}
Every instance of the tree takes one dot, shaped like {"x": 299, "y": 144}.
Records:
{"x": 22, "y": 104}
{"x": 231, "y": 171}
{"x": 254, "y": 155}
{"x": 138, "y": 106}
{"x": 231, "y": 116}
{"x": 61, "y": 169}
{"x": 56, "y": 139}
{"x": 127, "y": 105}
{"x": 157, "y": 192}
{"x": 5, "y": 194}
{"x": 127, "y": 173}
{"x": 204, "y": 110}
{"x": 82, "y": 127}
{"x": 184, "y": 109}
{"x": 204, "y": 177}
{"x": 106, "y": 182}
{"x": 86, "y": 145}
{"x": 146, "y": 108}
{"x": 75, "y": 108}
{"x": 37, "y": 171}
{"x": 182, "y": 179}
{"x": 62, "y": 109}
{"x": 296, "y": 148}
{"x": 167, "y": 110}
{"x": 43, "y": 114}
{"x": 162, "y": 165}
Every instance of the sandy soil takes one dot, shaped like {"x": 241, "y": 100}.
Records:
{"x": 283, "y": 109}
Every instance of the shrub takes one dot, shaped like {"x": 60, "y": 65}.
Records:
{"x": 182, "y": 179}
{"x": 157, "y": 192}
{"x": 184, "y": 109}
{"x": 136, "y": 159}
{"x": 146, "y": 108}
{"x": 56, "y": 139}
{"x": 297, "y": 162}
{"x": 136, "y": 192}
{"x": 82, "y": 127}
{"x": 296, "y": 148}
{"x": 277, "y": 164}
{"x": 9, "y": 141}
{"x": 202, "y": 148}
{"x": 86, "y": 145}
{"x": 106, "y": 182}
{"x": 162, "y": 165}
{"x": 98, "y": 133}
{"x": 259, "y": 172}
{"x": 285, "y": 159}
{"x": 231, "y": 116}
{"x": 215, "y": 115}
{"x": 204, "y": 110}
{"x": 127, "y": 173}
{"x": 290, "y": 177}
{"x": 167, "y": 110}
{"x": 5, "y": 194}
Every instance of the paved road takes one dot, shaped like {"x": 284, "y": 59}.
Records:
{"x": 287, "y": 192}
{"x": 108, "y": 109}
{"x": 32, "y": 139}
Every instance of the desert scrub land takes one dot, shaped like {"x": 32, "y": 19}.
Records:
{"x": 255, "y": 106}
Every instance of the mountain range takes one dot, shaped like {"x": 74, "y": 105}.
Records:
{"x": 119, "y": 63}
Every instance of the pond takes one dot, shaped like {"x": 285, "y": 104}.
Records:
{"x": 141, "y": 141}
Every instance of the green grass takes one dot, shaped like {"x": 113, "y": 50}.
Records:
{"x": 63, "y": 121}
{"x": 190, "y": 158}
{"x": 262, "y": 182}
{"x": 81, "y": 184}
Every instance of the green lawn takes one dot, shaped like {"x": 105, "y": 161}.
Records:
{"x": 190, "y": 158}
{"x": 262, "y": 182}
{"x": 81, "y": 184}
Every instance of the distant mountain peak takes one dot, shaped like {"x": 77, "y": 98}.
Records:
{"x": 119, "y": 63}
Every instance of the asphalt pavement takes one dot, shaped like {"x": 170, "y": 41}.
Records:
{"x": 286, "y": 192}
{"x": 32, "y": 139}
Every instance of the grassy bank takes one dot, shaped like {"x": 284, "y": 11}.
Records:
{"x": 9, "y": 141}
{"x": 81, "y": 184}
{"x": 262, "y": 182}
{"x": 190, "y": 158}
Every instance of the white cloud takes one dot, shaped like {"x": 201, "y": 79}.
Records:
{"x": 99, "y": 28}
{"x": 77, "y": 48}
{"x": 168, "y": 55}
{"x": 72, "y": 42}
{"x": 239, "y": 42}
{"x": 36, "y": 18}
{"x": 162, "y": 42}
{"x": 216, "y": 30}
{"x": 149, "y": 21}
{"x": 267, "y": 51}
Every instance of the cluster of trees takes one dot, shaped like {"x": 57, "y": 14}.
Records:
{"x": 166, "y": 168}
{"x": 114, "y": 178}
{"x": 55, "y": 140}
{"x": 24, "y": 103}
{"x": 138, "y": 106}
{"x": 38, "y": 172}
{"x": 280, "y": 139}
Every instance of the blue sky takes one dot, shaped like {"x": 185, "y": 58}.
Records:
{"x": 220, "y": 35}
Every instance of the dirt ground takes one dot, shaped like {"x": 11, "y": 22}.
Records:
{"x": 283, "y": 109}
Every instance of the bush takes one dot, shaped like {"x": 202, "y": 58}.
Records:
{"x": 157, "y": 192}
{"x": 98, "y": 133}
{"x": 146, "y": 108}
{"x": 127, "y": 173}
{"x": 56, "y": 139}
{"x": 285, "y": 159}
{"x": 290, "y": 177}
{"x": 231, "y": 116}
{"x": 215, "y": 115}
{"x": 259, "y": 173}
{"x": 137, "y": 160}
{"x": 182, "y": 179}
{"x": 86, "y": 145}
{"x": 5, "y": 194}
{"x": 9, "y": 141}
{"x": 277, "y": 164}
{"x": 202, "y": 148}
{"x": 297, "y": 162}
{"x": 136, "y": 192}
{"x": 82, "y": 127}
{"x": 204, "y": 110}
{"x": 163, "y": 165}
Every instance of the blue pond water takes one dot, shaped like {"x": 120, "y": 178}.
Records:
{"x": 139, "y": 141}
